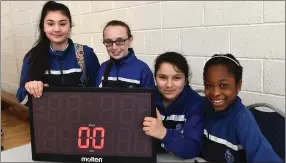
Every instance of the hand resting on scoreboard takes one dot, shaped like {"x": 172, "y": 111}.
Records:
{"x": 56, "y": 60}
{"x": 35, "y": 88}
{"x": 178, "y": 128}
{"x": 154, "y": 126}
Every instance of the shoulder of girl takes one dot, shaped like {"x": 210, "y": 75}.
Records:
{"x": 141, "y": 62}
{"x": 86, "y": 48}
{"x": 244, "y": 116}
{"x": 27, "y": 57}
{"x": 103, "y": 64}
{"x": 194, "y": 106}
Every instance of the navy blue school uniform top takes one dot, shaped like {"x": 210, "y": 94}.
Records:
{"x": 128, "y": 72}
{"x": 233, "y": 135}
{"x": 183, "y": 120}
{"x": 64, "y": 70}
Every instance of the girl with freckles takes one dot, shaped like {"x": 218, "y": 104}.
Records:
{"x": 179, "y": 123}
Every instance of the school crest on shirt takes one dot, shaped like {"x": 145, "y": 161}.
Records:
{"x": 228, "y": 156}
{"x": 81, "y": 83}
{"x": 179, "y": 127}
{"x": 82, "y": 79}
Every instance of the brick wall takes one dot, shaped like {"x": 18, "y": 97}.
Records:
{"x": 254, "y": 31}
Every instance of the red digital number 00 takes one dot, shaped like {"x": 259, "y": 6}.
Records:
{"x": 102, "y": 130}
{"x": 87, "y": 129}
{"x": 80, "y": 130}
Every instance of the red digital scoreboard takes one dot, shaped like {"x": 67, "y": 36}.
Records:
{"x": 92, "y": 125}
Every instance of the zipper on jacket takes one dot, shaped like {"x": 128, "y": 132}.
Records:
{"x": 117, "y": 72}
{"x": 61, "y": 69}
{"x": 165, "y": 120}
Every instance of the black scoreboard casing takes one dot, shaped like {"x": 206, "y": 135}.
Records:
{"x": 92, "y": 125}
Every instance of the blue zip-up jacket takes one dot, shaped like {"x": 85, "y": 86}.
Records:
{"x": 183, "y": 120}
{"x": 64, "y": 70}
{"x": 233, "y": 135}
{"x": 128, "y": 72}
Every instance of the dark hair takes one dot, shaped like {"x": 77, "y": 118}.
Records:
{"x": 227, "y": 60}
{"x": 40, "y": 55}
{"x": 109, "y": 63}
{"x": 175, "y": 59}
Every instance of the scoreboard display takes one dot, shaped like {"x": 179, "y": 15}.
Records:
{"x": 92, "y": 125}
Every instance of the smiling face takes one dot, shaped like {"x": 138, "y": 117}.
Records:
{"x": 119, "y": 34}
{"x": 220, "y": 87}
{"x": 170, "y": 81}
{"x": 57, "y": 27}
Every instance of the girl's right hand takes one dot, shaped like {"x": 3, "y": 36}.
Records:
{"x": 35, "y": 88}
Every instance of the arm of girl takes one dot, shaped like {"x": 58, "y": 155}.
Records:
{"x": 147, "y": 79}
{"x": 100, "y": 75}
{"x": 92, "y": 67}
{"x": 35, "y": 88}
{"x": 187, "y": 145}
{"x": 256, "y": 146}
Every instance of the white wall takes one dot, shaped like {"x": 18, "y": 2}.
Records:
{"x": 253, "y": 31}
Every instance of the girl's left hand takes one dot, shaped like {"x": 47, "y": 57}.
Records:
{"x": 154, "y": 126}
